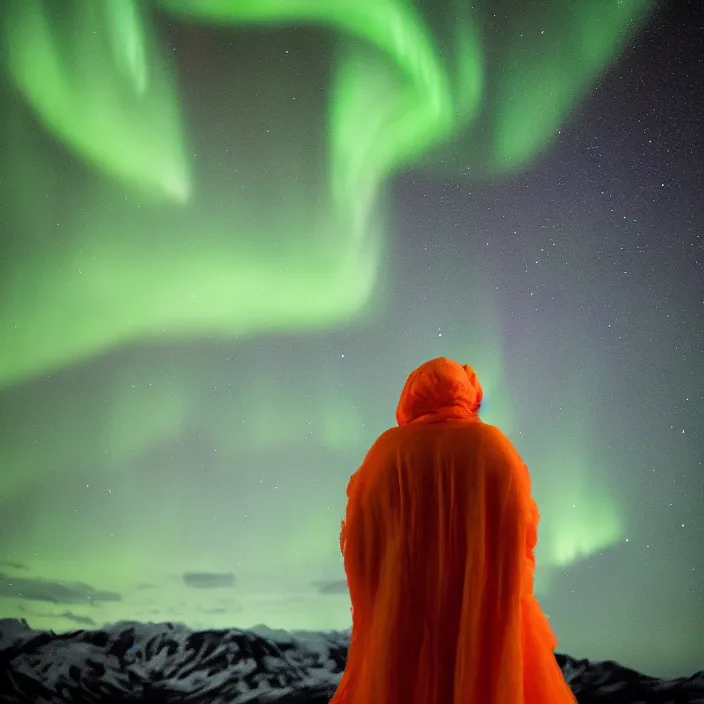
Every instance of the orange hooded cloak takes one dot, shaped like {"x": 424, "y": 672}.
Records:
{"x": 438, "y": 542}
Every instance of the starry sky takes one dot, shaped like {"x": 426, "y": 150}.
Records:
{"x": 230, "y": 230}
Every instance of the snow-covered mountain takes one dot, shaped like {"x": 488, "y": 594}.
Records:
{"x": 162, "y": 663}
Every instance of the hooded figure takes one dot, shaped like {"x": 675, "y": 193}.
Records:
{"x": 438, "y": 542}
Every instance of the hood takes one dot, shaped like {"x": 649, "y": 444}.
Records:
{"x": 438, "y": 390}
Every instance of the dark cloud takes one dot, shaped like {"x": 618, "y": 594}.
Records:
{"x": 146, "y": 585}
{"x": 77, "y": 618}
{"x": 56, "y": 592}
{"x": 209, "y": 580}
{"x": 335, "y": 586}
{"x": 14, "y": 565}
{"x": 70, "y": 616}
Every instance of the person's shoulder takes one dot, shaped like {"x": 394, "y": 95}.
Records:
{"x": 384, "y": 441}
{"x": 389, "y": 435}
{"x": 474, "y": 430}
{"x": 493, "y": 433}
{"x": 497, "y": 442}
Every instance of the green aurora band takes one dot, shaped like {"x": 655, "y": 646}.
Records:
{"x": 292, "y": 241}
{"x": 98, "y": 77}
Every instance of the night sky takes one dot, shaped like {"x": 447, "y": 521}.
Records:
{"x": 227, "y": 237}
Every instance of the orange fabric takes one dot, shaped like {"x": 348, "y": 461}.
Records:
{"x": 438, "y": 542}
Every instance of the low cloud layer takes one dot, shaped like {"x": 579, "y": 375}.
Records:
{"x": 209, "y": 580}
{"x": 53, "y": 591}
{"x": 335, "y": 586}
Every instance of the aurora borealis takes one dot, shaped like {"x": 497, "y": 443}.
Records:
{"x": 230, "y": 229}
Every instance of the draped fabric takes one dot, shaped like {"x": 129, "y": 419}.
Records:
{"x": 438, "y": 542}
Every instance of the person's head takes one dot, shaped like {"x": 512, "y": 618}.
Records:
{"x": 439, "y": 389}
